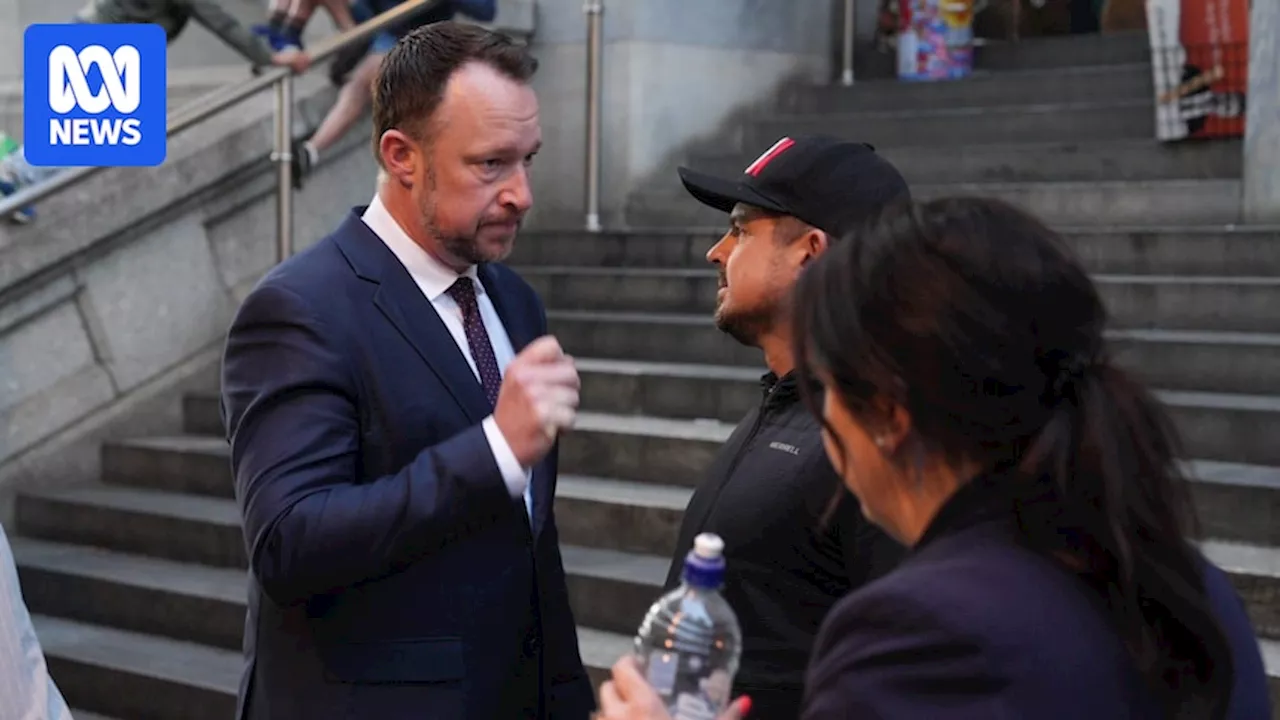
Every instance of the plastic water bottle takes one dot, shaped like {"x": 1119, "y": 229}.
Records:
{"x": 689, "y": 642}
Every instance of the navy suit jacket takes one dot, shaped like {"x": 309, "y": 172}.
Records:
{"x": 975, "y": 626}
{"x": 392, "y": 574}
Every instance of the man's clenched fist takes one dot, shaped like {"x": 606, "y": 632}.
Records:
{"x": 538, "y": 399}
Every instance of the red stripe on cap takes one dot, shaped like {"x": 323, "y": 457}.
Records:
{"x": 778, "y": 148}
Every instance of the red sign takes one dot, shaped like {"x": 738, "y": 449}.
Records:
{"x": 1200, "y": 61}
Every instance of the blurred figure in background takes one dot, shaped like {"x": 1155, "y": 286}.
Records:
{"x": 286, "y": 19}
{"x": 968, "y": 401}
{"x": 172, "y": 15}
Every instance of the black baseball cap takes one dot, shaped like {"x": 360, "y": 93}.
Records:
{"x": 831, "y": 184}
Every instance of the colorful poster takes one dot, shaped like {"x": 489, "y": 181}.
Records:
{"x": 1200, "y": 65}
{"x": 935, "y": 39}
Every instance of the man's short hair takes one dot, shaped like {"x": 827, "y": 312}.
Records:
{"x": 411, "y": 80}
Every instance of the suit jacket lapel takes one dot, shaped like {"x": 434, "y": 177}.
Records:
{"x": 403, "y": 304}
{"x": 521, "y": 332}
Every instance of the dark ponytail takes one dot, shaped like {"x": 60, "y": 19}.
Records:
{"x": 1123, "y": 513}
{"x": 972, "y": 316}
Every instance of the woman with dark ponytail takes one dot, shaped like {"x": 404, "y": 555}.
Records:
{"x": 968, "y": 401}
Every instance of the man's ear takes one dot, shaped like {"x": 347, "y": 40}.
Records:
{"x": 401, "y": 156}
{"x": 813, "y": 243}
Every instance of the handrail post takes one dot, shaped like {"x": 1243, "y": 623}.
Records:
{"x": 594, "y": 10}
{"x": 283, "y": 157}
{"x": 850, "y": 23}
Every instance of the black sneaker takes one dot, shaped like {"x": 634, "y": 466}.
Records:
{"x": 21, "y": 216}
{"x": 301, "y": 162}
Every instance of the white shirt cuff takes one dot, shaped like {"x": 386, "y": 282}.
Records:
{"x": 516, "y": 478}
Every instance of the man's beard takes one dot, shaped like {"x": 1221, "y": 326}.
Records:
{"x": 745, "y": 327}
{"x": 464, "y": 247}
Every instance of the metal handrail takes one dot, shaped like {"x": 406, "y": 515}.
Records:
{"x": 847, "y": 43}
{"x": 594, "y": 10}
{"x": 224, "y": 98}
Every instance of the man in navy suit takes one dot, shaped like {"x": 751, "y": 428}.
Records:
{"x": 392, "y": 403}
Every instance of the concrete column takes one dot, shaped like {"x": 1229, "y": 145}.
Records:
{"x": 674, "y": 71}
{"x": 1262, "y": 123}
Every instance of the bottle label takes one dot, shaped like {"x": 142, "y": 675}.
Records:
{"x": 662, "y": 671}
{"x": 690, "y": 706}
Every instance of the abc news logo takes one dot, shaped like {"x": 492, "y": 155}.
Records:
{"x": 121, "y": 90}
{"x": 94, "y": 95}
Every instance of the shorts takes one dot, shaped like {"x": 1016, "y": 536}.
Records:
{"x": 382, "y": 43}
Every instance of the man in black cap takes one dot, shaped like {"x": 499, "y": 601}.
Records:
{"x": 795, "y": 539}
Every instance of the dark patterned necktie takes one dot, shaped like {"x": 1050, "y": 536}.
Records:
{"x": 463, "y": 292}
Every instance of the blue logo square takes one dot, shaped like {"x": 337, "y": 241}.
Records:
{"x": 94, "y": 95}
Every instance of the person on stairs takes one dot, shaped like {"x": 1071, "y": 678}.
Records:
{"x": 393, "y": 403}
{"x": 791, "y": 550}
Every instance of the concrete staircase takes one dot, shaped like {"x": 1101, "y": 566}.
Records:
{"x": 138, "y": 582}
{"x": 1067, "y": 133}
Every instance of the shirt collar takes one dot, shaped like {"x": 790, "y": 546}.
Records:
{"x": 432, "y": 276}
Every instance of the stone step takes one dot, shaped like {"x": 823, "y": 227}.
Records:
{"x": 600, "y": 649}
{"x": 609, "y": 590}
{"x": 660, "y": 451}
{"x": 131, "y": 675}
{"x": 1204, "y": 361}
{"x": 1201, "y": 361}
{"x": 945, "y": 126}
{"x": 1091, "y": 160}
{"x": 134, "y": 592}
{"x": 1222, "y": 426}
{"x": 194, "y": 464}
{"x": 201, "y": 415}
{"x": 1271, "y": 659}
{"x": 1255, "y": 573}
{"x": 199, "y": 464}
{"x": 680, "y": 391}
{"x": 1222, "y": 251}
{"x": 996, "y": 53}
{"x": 135, "y": 675}
{"x": 1064, "y": 51}
{"x": 672, "y": 396}
{"x": 1243, "y": 304}
{"x": 1236, "y": 502}
{"x": 1216, "y": 426}
{"x": 1035, "y": 86}
{"x": 639, "y": 517}
{"x": 639, "y": 513}
{"x": 166, "y": 603}
{"x": 165, "y": 525}
{"x": 1086, "y": 204}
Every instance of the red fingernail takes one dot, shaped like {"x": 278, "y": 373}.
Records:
{"x": 744, "y": 705}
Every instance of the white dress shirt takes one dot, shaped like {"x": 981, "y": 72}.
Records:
{"x": 434, "y": 280}
{"x": 26, "y": 690}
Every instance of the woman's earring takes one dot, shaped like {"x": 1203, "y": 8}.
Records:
{"x": 881, "y": 441}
